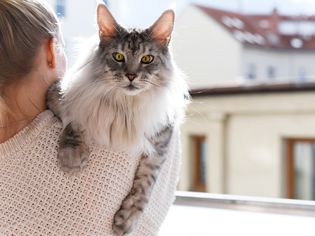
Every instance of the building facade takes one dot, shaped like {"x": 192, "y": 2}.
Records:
{"x": 251, "y": 141}
{"x": 250, "y": 129}
{"x": 230, "y": 47}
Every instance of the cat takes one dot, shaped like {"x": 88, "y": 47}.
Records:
{"x": 127, "y": 95}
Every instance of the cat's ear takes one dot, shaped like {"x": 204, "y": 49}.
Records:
{"x": 107, "y": 25}
{"x": 161, "y": 30}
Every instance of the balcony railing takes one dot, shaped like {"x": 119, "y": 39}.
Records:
{"x": 203, "y": 214}
{"x": 254, "y": 204}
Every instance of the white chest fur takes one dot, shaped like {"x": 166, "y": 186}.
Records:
{"x": 121, "y": 122}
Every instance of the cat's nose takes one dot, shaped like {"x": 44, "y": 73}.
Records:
{"x": 131, "y": 76}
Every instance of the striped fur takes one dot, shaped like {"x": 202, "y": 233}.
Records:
{"x": 147, "y": 173}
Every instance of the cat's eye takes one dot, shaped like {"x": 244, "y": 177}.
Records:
{"x": 118, "y": 57}
{"x": 147, "y": 59}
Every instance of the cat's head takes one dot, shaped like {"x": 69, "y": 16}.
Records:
{"x": 134, "y": 61}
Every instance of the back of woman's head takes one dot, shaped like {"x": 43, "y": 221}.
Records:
{"x": 24, "y": 25}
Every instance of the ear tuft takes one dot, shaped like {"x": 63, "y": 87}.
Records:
{"x": 106, "y": 22}
{"x": 162, "y": 29}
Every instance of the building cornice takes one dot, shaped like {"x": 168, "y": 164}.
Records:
{"x": 230, "y": 90}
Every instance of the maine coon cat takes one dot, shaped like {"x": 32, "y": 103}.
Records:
{"x": 127, "y": 95}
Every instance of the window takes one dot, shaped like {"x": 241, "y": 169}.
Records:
{"x": 61, "y": 8}
{"x": 199, "y": 163}
{"x": 252, "y": 72}
{"x": 302, "y": 75}
{"x": 301, "y": 169}
{"x": 271, "y": 72}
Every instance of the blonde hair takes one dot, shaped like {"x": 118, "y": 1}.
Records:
{"x": 24, "y": 25}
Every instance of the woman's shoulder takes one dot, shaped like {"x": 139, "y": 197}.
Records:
{"x": 43, "y": 133}
{"x": 46, "y": 141}
{"x": 44, "y": 125}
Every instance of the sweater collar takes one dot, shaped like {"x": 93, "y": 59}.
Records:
{"x": 24, "y": 137}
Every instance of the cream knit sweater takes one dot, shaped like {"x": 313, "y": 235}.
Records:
{"x": 37, "y": 198}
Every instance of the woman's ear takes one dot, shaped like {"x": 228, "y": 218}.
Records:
{"x": 51, "y": 53}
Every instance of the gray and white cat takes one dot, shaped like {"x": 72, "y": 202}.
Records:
{"x": 126, "y": 95}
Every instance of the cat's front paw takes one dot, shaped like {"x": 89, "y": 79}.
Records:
{"x": 73, "y": 158}
{"x": 127, "y": 216}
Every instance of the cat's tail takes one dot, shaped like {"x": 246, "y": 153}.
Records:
{"x": 53, "y": 98}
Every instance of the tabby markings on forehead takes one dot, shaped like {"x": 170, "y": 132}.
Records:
{"x": 133, "y": 40}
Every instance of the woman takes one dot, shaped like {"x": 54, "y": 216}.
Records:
{"x": 36, "y": 197}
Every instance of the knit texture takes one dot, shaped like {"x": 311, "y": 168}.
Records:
{"x": 37, "y": 198}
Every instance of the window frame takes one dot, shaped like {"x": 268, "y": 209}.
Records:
{"x": 196, "y": 141}
{"x": 290, "y": 177}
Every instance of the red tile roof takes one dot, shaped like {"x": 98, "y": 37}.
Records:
{"x": 263, "y": 30}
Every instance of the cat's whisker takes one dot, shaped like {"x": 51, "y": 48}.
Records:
{"x": 85, "y": 64}
{"x": 80, "y": 68}
{"x": 150, "y": 82}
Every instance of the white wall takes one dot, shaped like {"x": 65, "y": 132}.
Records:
{"x": 287, "y": 63}
{"x": 204, "y": 50}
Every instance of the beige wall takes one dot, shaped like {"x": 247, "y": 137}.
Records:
{"x": 204, "y": 50}
{"x": 245, "y": 140}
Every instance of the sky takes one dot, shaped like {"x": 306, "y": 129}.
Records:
{"x": 146, "y": 11}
